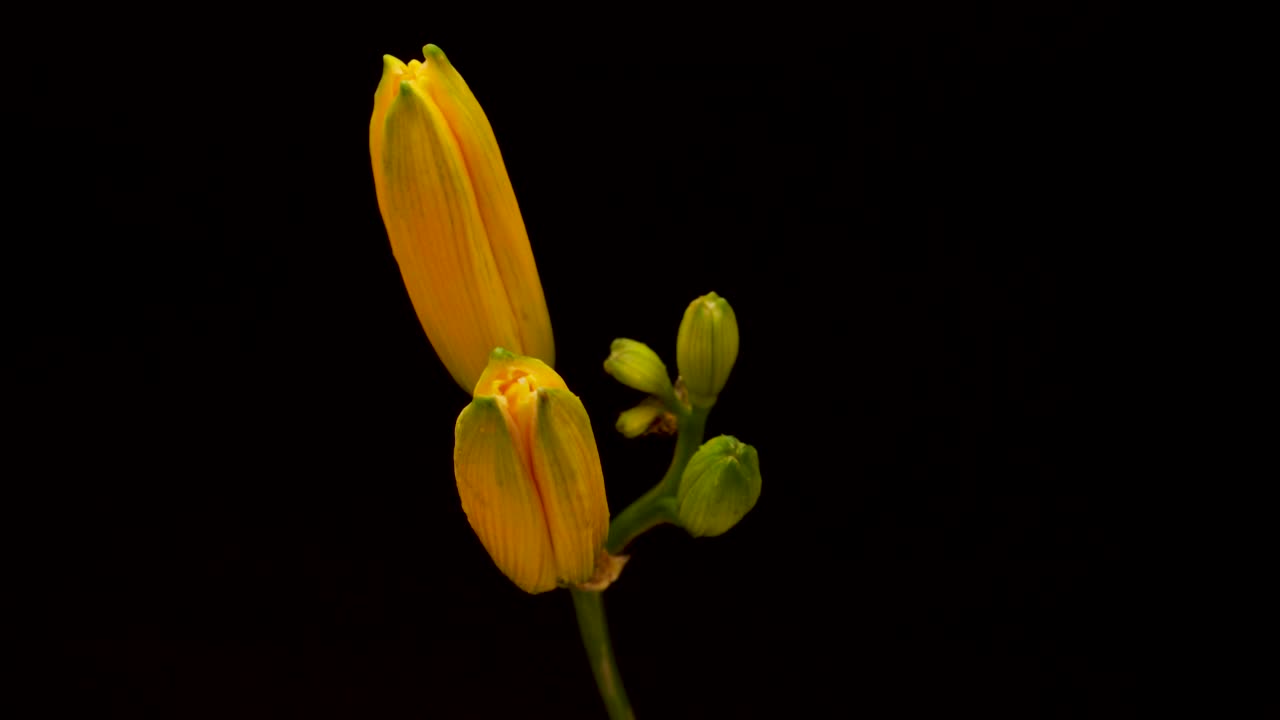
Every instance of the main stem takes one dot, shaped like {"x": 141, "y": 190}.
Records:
{"x": 589, "y": 606}
{"x": 653, "y": 508}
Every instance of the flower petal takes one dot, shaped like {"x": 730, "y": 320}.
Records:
{"x": 496, "y": 200}
{"x": 388, "y": 88}
{"x": 499, "y": 496}
{"x": 438, "y": 239}
{"x": 566, "y": 469}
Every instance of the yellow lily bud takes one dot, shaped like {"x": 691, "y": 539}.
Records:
{"x": 452, "y": 218}
{"x": 640, "y": 419}
{"x": 529, "y": 475}
{"x": 707, "y": 347}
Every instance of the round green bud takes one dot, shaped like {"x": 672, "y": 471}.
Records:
{"x": 633, "y": 364}
{"x": 707, "y": 347}
{"x": 719, "y": 487}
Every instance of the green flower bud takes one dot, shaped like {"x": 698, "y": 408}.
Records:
{"x": 720, "y": 485}
{"x": 637, "y": 421}
{"x": 707, "y": 347}
{"x": 633, "y": 364}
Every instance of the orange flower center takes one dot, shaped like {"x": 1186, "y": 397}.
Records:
{"x": 517, "y": 388}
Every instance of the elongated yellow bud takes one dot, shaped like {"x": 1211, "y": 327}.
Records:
{"x": 529, "y": 475}
{"x": 452, "y": 218}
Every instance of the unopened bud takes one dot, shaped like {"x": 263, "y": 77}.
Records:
{"x": 635, "y": 365}
{"x": 640, "y": 419}
{"x": 707, "y": 347}
{"x": 719, "y": 487}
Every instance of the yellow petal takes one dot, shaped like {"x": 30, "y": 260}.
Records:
{"x": 438, "y": 239}
{"x": 566, "y": 469}
{"x": 496, "y": 201}
{"x": 499, "y": 496}
{"x": 388, "y": 87}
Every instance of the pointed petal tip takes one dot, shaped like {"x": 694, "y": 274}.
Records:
{"x": 408, "y": 86}
{"x": 391, "y": 63}
{"x": 410, "y": 96}
{"x": 477, "y": 411}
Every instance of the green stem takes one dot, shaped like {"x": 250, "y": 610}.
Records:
{"x": 692, "y": 425}
{"x": 659, "y": 504}
{"x": 673, "y": 404}
{"x": 589, "y": 607}
{"x": 653, "y": 508}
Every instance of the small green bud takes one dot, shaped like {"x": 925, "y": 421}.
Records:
{"x": 638, "y": 420}
{"x": 719, "y": 487}
{"x": 633, "y": 364}
{"x": 707, "y": 347}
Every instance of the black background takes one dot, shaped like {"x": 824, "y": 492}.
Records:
{"x": 235, "y": 439}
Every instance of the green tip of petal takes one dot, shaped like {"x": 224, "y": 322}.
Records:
{"x": 409, "y": 99}
{"x": 433, "y": 52}
{"x": 485, "y": 403}
{"x": 546, "y": 396}
{"x": 479, "y": 413}
{"x": 499, "y": 353}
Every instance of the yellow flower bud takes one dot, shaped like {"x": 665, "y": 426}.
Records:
{"x": 707, "y": 347}
{"x": 452, "y": 218}
{"x": 719, "y": 486}
{"x": 635, "y": 365}
{"x": 529, "y": 475}
{"x": 640, "y": 419}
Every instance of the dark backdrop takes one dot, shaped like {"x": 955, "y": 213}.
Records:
{"x": 234, "y": 439}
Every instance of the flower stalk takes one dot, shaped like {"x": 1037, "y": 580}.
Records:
{"x": 589, "y": 607}
{"x": 655, "y": 507}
